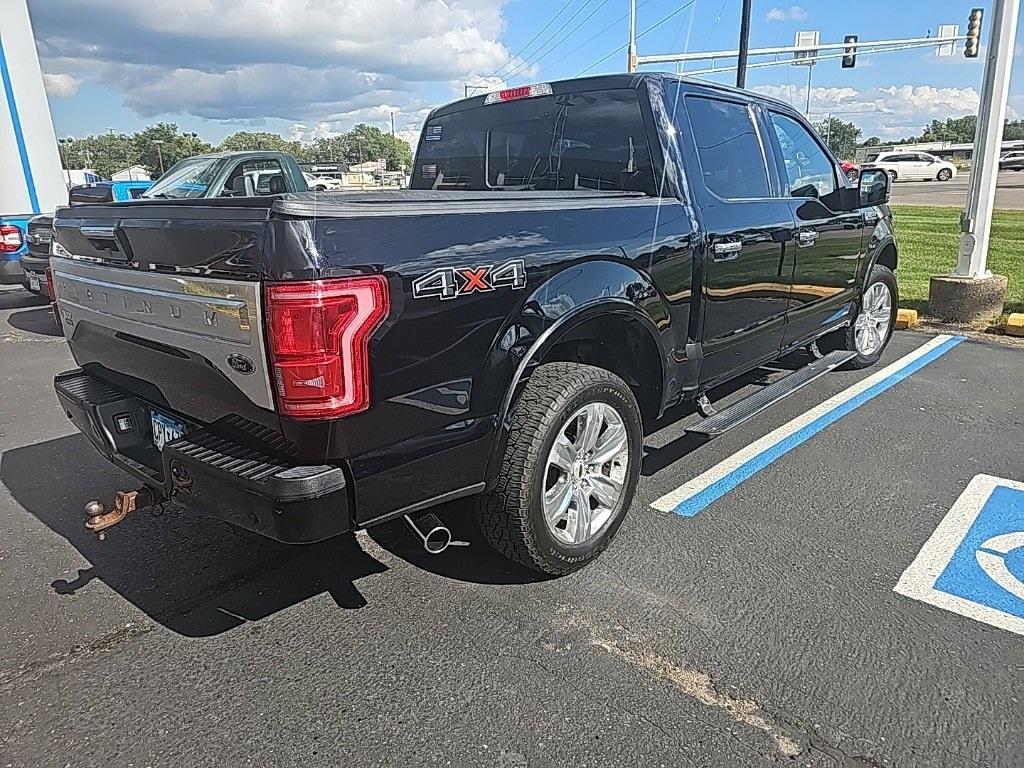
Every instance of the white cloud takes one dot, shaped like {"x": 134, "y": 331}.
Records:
{"x": 892, "y": 112}
{"x": 61, "y": 84}
{"x": 309, "y": 62}
{"x": 793, "y": 13}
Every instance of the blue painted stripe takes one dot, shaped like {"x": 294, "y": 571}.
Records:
{"x": 19, "y": 136}
{"x": 693, "y": 505}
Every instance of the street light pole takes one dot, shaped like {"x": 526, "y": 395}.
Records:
{"x": 160, "y": 154}
{"x": 631, "y": 54}
{"x": 741, "y": 66}
{"x": 995, "y": 89}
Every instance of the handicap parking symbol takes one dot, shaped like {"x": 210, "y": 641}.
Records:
{"x": 973, "y": 564}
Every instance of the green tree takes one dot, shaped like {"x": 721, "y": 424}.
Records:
{"x": 163, "y": 142}
{"x": 871, "y": 141}
{"x": 1014, "y": 130}
{"x": 956, "y": 130}
{"x": 841, "y": 136}
{"x": 367, "y": 142}
{"x": 255, "y": 141}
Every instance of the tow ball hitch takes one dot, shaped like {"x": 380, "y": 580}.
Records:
{"x": 126, "y": 502}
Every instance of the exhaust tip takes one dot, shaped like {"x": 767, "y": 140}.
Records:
{"x": 434, "y": 534}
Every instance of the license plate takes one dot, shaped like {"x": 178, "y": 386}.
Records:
{"x": 33, "y": 282}
{"x": 165, "y": 429}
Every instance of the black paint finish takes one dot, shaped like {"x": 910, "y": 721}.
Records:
{"x": 444, "y": 373}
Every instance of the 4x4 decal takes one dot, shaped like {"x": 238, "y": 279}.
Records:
{"x": 451, "y": 282}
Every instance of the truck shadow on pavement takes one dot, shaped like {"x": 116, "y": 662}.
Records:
{"x": 195, "y": 576}
{"x": 20, "y": 299}
{"x": 38, "y": 321}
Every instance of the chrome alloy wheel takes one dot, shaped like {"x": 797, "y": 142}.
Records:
{"x": 872, "y": 324}
{"x": 585, "y": 474}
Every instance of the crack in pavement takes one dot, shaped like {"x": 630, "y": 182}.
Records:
{"x": 699, "y": 686}
{"x": 105, "y": 643}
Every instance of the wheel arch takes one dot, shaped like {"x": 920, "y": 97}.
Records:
{"x": 579, "y": 331}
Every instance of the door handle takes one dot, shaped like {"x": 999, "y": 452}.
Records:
{"x": 805, "y": 238}
{"x": 727, "y": 251}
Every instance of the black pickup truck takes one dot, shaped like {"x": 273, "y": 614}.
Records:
{"x": 571, "y": 259}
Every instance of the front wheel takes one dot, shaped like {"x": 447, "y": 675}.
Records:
{"x": 871, "y": 330}
{"x": 945, "y": 174}
{"x": 569, "y": 471}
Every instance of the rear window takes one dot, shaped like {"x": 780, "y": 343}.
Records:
{"x": 590, "y": 140}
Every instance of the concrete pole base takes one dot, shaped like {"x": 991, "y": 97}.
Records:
{"x": 966, "y": 300}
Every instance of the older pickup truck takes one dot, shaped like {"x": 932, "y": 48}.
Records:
{"x": 571, "y": 259}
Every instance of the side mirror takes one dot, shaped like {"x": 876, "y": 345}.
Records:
{"x": 873, "y": 187}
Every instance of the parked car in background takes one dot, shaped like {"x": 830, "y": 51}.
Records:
{"x": 36, "y": 257}
{"x": 852, "y": 170}
{"x": 229, "y": 174}
{"x": 13, "y": 245}
{"x": 1012, "y": 161}
{"x": 907, "y": 166}
{"x": 108, "y": 192}
{"x": 322, "y": 183}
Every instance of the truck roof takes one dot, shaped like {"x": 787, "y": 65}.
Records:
{"x": 613, "y": 81}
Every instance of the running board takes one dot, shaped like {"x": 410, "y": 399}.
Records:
{"x": 750, "y": 406}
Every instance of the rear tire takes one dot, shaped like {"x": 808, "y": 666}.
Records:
{"x": 893, "y": 176}
{"x": 870, "y": 332}
{"x": 552, "y": 405}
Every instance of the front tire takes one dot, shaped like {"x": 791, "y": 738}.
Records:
{"x": 569, "y": 471}
{"x": 945, "y": 174}
{"x": 870, "y": 332}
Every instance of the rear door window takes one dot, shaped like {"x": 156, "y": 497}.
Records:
{"x": 590, "y": 140}
{"x": 732, "y": 160}
{"x": 809, "y": 171}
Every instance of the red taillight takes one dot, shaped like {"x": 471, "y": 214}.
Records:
{"x": 11, "y": 238}
{"x": 522, "y": 92}
{"x": 51, "y": 288}
{"x": 319, "y": 335}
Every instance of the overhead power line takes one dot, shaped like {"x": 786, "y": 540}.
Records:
{"x": 521, "y": 51}
{"x": 541, "y": 54}
{"x": 593, "y": 37}
{"x": 651, "y": 28}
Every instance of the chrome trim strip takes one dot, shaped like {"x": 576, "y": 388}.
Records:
{"x": 209, "y": 317}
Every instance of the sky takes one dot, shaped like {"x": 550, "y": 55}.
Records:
{"x": 307, "y": 68}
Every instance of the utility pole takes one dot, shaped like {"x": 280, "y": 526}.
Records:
{"x": 995, "y": 89}
{"x": 392, "y": 125}
{"x": 741, "y": 66}
{"x": 631, "y": 53}
{"x": 972, "y": 293}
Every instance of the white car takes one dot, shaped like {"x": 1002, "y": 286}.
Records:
{"x": 904, "y": 166}
{"x": 322, "y": 183}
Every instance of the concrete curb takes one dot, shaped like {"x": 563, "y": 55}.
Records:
{"x": 906, "y": 318}
{"x": 1015, "y": 324}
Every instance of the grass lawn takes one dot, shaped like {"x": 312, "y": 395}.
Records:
{"x": 929, "y": 239}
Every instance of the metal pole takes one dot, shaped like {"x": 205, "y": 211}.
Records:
{"x": 995, "y": 90}
{"x": 392, "y": 125}
{"x": 807, "y": 109}
{"x": 631, "y": 53}
{"x": 741, "y": 68}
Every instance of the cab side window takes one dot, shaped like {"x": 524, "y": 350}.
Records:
{"x": 809, "y": 170}
{"x": 731, "y": 159}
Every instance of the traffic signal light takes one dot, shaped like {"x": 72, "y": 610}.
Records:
{"x": 850, "y": 53}
{"x": 973, "y": 33}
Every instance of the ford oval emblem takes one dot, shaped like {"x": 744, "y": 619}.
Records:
{"x": 241, "y": 364}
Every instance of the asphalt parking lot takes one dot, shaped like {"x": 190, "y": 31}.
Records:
{"x": 764, "y": 629}
{"x": 953, "y": 193}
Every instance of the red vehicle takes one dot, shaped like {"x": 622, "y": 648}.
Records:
{"x": 852, "y": 170}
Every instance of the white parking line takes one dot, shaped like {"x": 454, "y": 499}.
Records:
{"x": 691, "y": 497}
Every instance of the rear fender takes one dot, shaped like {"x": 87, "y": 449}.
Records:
{"x": 568, "y": 299}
